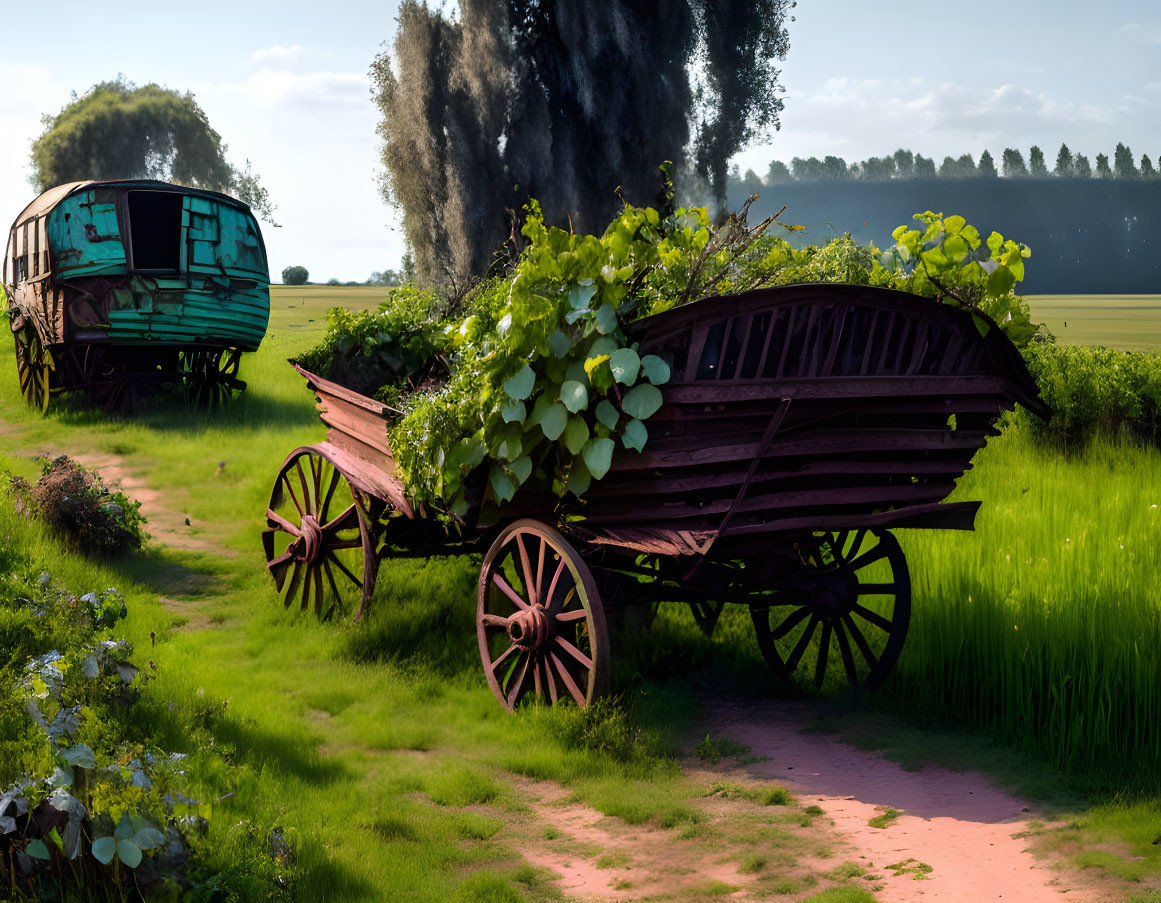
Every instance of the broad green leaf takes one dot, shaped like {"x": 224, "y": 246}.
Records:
{"x": 1001, "y": 281}
{"x": 129, "y": 853}
{"x": 955, "y": 248}
{"x": 606, "y": 318}
{"x": 954, "y": 224}
{"x": 148, "y": 838}
{"x": 655, "y": 369}
{"x": 543, "y": 402}
{"x": 576, "y": 370}
{"x": 603, "y": 344}
{"x": 573, "y": 315}
{"x": 554, "y": 421}
{"x": 522, "y": 469}
{"x": 104, "y": 849}
{"x": 502, "y": 486}
{"x": 635, "y": 435}
{"x": 625, "y": 365}
{"x": 124, "y": 828}
{"x": 642, "y": 401}
{"x": 608, "y": 414}
{"x": 559, "y": 344}
{"x": 54, "y": 836}
{"x": 574, "y": 396}
{"x": 37, "y": 850}
{"x": 598, "y": 456}
{"x": 995, "y": 242}
{"x": 514, "y": 412}
{"x": 511, "y": 445}
{"x": 981, "y": 325}
{"x": 579, "y": 478}
{"x": 576, "y": 434}
{"x": 580, "y": 295}
{"x": 80, "y": 755}
{"x": 520, "y": 386}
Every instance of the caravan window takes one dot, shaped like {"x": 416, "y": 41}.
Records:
{"x": 155, "y": 229}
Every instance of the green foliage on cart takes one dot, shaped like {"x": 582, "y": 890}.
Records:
{"x": 532, "y": 380}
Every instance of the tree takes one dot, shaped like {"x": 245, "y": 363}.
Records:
{"x": 1123, "y": 167}
{"x": 1147, "y": 171}
{"x": 904, "y": 163}
{"x": 962, "y": 168}
{"x": 117, "y": 130}
{"x": 1080, "y": 167}
{"x": 1012, "y": 163}
{"x": 1036, "y": 165}
{"x": 924, "y": 167}
{"x": 778, "y": 173}
{"x": 1102, "y": 167}
{"x": 752, "y": 183}
{"x": 295, "y": 275}
{"x": 387, "y": 277}
{"x": 1064, "y": 165}
{"x": 563, "y": 102}
{"x": 808, "y": 170}
{"x": 987, "y": 168}
{"x": 877, "y": 169}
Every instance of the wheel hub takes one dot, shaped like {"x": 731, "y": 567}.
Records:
{"x": 310, "y": 542}
{"x": 528, "y": 628}
{"x": 834, "y": 593}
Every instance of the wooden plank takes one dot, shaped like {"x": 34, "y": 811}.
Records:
{"x": 845, "y": 387}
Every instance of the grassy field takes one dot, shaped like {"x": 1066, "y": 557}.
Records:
{"x": 384, "y": 756}
{"x": 1125, "y": 322}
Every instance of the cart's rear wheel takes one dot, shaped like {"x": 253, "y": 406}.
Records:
{"x": 844, "y": 606}
{"x": 33, "y": 369}
{"x": 318, "y": 541}
{"x": 539, "y": 619}
{"x": 211, "y": 375}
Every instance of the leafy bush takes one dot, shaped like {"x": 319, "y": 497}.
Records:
{"x": 1094, "y": 390}
{"x": 75, "y": 502}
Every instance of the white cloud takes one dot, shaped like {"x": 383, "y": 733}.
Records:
{"x": 332, "y": 91}
{"x": 1138, "y": 33}
{"x": 278, "y": 55}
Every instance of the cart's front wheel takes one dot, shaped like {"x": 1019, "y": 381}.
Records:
{"x": 33, "y": 369}
{"x": 211, "y": 376}
{"x": 318, "y": 541}
{"x": 844, "y": 605}
{"x": 539, "y": 619}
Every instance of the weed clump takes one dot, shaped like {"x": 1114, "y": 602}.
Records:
{"x": 75, "y": 503}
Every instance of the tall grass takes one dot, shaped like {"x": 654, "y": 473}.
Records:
{"x": 1044, "y": 625}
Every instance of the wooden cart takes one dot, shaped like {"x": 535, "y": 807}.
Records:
{"x": 115, "y": 286}
{"x": 801, "y": 425}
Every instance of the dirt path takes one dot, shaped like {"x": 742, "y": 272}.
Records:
{"x": 959, "y": 824}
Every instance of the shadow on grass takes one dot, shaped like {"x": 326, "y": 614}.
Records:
{"x": 171, "y": 572}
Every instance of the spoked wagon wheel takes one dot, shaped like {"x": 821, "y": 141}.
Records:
{"x": 211, "y": 376}
{"x": 845, "y": 606}
{"x": 539, "y": 619}
{"x": 319, "y": 545}
{"x": 33, "y": 369}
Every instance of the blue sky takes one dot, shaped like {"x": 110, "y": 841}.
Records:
{"x": 286, "y": 86}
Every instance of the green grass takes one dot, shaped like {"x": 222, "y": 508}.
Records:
{"x": 884, "y": 818}
{"x": 1126, "y": 322}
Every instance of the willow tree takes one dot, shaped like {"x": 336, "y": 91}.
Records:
{"x": 565, "y": 102}
{"x": 117, "y": 130}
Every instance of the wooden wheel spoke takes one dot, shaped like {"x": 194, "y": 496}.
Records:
{"x": 540, "y": 574}
{"x": 277, "y": 521}
{"x": 496, "y": 662}
{"x": 538, "y": 686}
{"x": 792, "y": 620}
{"x": 867, "y": 615}
{"x": 575, "y": 615}
{"x": 342, "y": 567}
{"x": 326, "y": 566}
{"x": 575, "y": 653}
{"x": 522, "y": 673}
{"x": 306, "y": 499}
{"x": 334, "y": 482}
{"x": 292, "y": 587}
{"x": 845, "y": 650}
{"x": 529, "y": 586}
{"x": 877, "y": 589}
{"x": 869, "y": 557}
{"x": 316, "y": 479}
{"x": 318, "y": 591}
{"x": 500, "y": 582}
{"x": 348, "y": 520}
{"x": 293, "y": 497}
{"x": 340, "y": 544}
{"x": 800, "y": 648}
{"x": 494, "y": 621}
{"x": 860, "y": 536}
{"x": 860, "y": 641}
{"x": 552, "y": 692}
{"x": 278, "y": 568}
{"x": 573, "y": 689}
{"x": 552, "y": 585}
{"x": 306, "y": 587}
{"x": 823, "y": 652}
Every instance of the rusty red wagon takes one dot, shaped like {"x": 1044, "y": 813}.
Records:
{"x": 802, "y": 425}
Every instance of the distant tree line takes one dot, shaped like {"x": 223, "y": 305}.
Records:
{"x": 903, "y": 164}
{"x": 299, "y": 275}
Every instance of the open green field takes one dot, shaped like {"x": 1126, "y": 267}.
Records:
{"x": 384, "y": 757}
{"x": 1125, "y": 322}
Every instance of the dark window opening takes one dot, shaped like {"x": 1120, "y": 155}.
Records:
{"x": 20, "y": 268}
{"x": 155, "y": 229}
